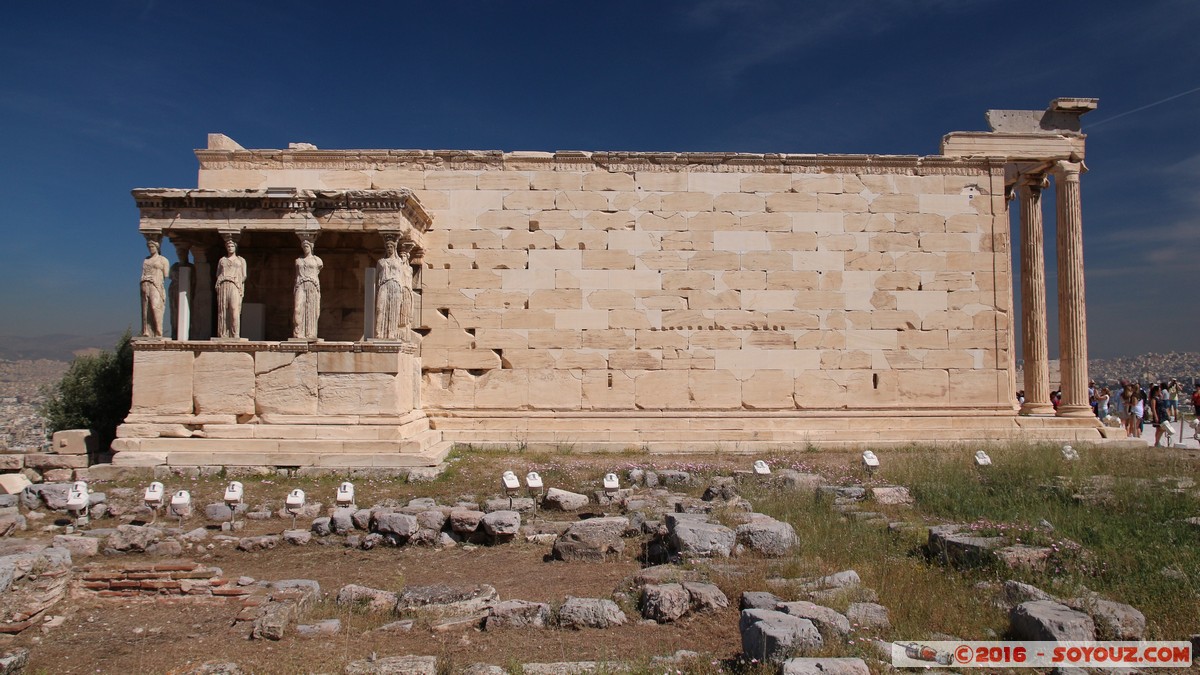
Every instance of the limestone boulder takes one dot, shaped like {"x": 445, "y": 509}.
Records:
{"x": 465, "y": 521}
{"x": 664, "y": 602}
{"x": 373, "y": 599}
{"x": 446, "y": 601}
{"x": 297, "y": 537}
{"x": 562, "y": 500}
{"x": 265, "y": 542}
{"x": 829, "y": 621}
{"x": 766, "y": 536}
{"x": 394, "y": 665}
{"x": 768, "y": 635}
{"x": 1114, "y": 620}
{"x": 400, "y": 525}
{"x": 502, "y": 524}
{"x": 705, "y": 597}
{"x": 341, "y": 521}
{"x": 759, "y": 600}
{"x": 892, "y": 496}
{"x": 1050, "y": 621}
{"x": 432, "y": 519}
{"x": 590, "y": 613}
{"x": 869, "y": 616}
{"x": 700, "y": 538}
{"x": 133, "y": 538}
{"x": 517, "y": 614}
{"x": 592, "y": 540}
{"x": 959, "y": 549}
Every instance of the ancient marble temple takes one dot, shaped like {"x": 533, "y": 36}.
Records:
{"x": 368, "y": 308}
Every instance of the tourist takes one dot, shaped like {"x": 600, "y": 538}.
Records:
{"x": 1158, "y": 403}
{"x": 1102, "y": 402}
{"x": 1021, "y": 397}
{"x": 1137, "y": 410}
{"x": 1174, "y": 389}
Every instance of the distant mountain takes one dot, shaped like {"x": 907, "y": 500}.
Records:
{"x": 54, "y": 347}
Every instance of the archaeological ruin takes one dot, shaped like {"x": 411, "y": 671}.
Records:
{"x": 370, "y": 308}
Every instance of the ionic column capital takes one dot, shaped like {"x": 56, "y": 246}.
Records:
{"x": 1069, "y": 170}
{"x": 1032, "y": 182}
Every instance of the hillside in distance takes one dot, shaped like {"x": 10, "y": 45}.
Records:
{"x": 54, "y": 347}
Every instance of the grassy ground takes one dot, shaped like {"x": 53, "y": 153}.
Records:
{"x": 1117, "y": 517}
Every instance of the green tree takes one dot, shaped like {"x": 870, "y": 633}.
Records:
{"x": 95, "y": 393}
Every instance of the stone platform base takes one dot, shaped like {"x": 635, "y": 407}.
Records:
{"x": 744, "y": 431}
{"x": 342, "y": 442}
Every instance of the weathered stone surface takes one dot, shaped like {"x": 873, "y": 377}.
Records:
{"x": 961, "y": 550}
{"x": 758, "y": 600}
{"x": 401, "y": 525}
{"x": 1022, "y": 557}
{"x": 869, "y": 616}
{"x": 373, "y": 599}
{"x": 705, "y": 597}
{"x": 830, "y": 622}
{"x": 1113, "y": 620}
{"x": 13, "y": 661}
{"x": 518, "y": 504}
{"x": 502, "y": 524}
{"x": 561, "y": 500}
{"x": 699, "y": 538}
{"x": 321, "y": 527}
{"x": 362, "y": 519}
{"x": 1016, "y": 592}
{"x": 394, "y": 665}
{"x": 723, "y": 488}
{"x": 80, "y": 547}
{"x": 766, "y": 535}
{"x": 297, "y": 537}
{"x": 592, "y": 539}
{"x": 517, "y": 614}
{"x": 796, "y": 480}
{"x": 465, "y": 521}
{"x": 1050, "y": 621}
{"x": 768, "y": 635}
{"x": 133, "y": 538}
{"x": 674, "y": 477}
{"x": 215, "y": 668}
{"x": 342, "y": 520}
{"x": 825, "y": 666}
{"x": 285, "y": 383}
{"x": 322, "y": 628}
{"x": 220, "y": 512}
{"x": 223, "y": 383}
{"x": 433, "y": 519}
{"x": 590, "y": 613}
{"x": 442, "y": 600}
{"x": 664, "y": 602}
{"x": 892, "y": 496}
{"x": 260, "y": 543}
{"x": 167, "y": 548}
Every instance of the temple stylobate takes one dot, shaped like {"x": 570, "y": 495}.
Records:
{"x": 368, "y": 308}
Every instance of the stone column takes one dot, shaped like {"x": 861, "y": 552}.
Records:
{"x": 202, "y": 300}
{"x": 1033, "y": 298}
{"x": 1072, "y": 318}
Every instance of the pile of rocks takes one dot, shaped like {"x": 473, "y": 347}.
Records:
{"x": 773, "y": 630}
{"x": 1037, "y": 615}
{"x": 33, "y": 577}
{"x": 450, "y": 607}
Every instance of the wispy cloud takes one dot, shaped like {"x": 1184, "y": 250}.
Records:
{"x": 758, "y": 32}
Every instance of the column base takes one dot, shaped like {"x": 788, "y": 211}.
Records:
{"x": 1075, "y": 411}
{"x": 1041, "y": 409}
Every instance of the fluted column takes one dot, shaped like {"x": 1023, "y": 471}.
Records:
{"x": 1033, "y": 298}
{"x": 1072, "y": 317}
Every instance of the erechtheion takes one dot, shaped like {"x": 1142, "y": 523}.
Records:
{"x": 608, "y": 300}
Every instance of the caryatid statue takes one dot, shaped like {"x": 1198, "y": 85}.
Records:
{"x": 307, "y": 294}
{"x": 231, "y": 288}
{"x": 154, "y": 293}
{"x": 393, "y": 291}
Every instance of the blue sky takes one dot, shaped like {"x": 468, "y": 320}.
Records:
{"x": 97, "y": 98}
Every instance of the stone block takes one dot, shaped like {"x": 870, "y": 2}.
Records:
{"x": 358, "y": 394}
{"x": 162, "y": 383}
{"x": 1050, "y": 621}
{"x": 285, "y": 383}
{"x": 73, "y": 442}
{"x": 223, "y": 383}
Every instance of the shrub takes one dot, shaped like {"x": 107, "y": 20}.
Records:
{"x": 95, "y": 393}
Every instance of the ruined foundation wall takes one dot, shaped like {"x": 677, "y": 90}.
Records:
{"x": 621, "y": 282}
